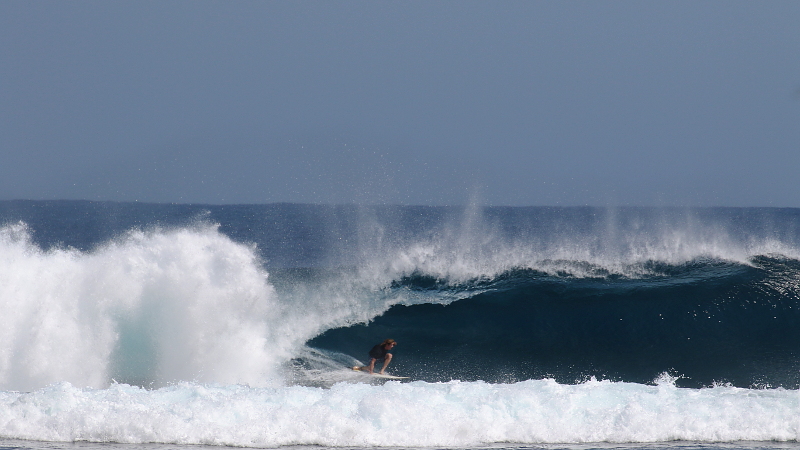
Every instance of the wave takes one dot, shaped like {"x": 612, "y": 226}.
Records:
{"x": 418, "y": 414}
{"x": 208, "y": 326}
{"x": 166, "y": 304}
{"x": 707, "y": 321}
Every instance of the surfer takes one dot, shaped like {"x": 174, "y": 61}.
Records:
{"x": 380, "y": 351}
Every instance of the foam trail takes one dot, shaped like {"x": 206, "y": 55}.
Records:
{"x": 149, "y": 307}
{"x": 414, "y": 414}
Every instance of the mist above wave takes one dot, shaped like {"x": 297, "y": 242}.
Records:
{"x": 483, "y": 243}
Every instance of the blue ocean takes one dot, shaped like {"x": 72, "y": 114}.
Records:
{"x": 132, "y": 325}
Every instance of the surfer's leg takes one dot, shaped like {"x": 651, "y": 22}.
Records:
{"x": 386, "y": 361}
{"x": 371, "y": 367}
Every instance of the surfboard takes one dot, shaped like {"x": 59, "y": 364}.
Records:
{"x": 379, "y": 375}
{"x": 387, "y": 376}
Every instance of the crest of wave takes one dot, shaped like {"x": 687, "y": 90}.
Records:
{"x": 477, "y": 249}
{"x": 149, "y": 307}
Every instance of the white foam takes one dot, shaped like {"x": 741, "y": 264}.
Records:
{"x": 413, "y": 414}
{"x": 164, "y": 305}
{"x": 161, "y": 306}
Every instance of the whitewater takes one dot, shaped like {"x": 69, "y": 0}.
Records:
{"x": 201, "y": 325}
{"x": 416, "y": 414}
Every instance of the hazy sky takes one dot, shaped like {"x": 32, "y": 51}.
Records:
{"x": 504, "y": 103}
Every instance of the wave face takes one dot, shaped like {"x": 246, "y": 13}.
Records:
{"x": 236, "y": 325}
{"x": 706, "y": 321}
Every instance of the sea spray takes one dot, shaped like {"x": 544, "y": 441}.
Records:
{"x": 482, "y": 243}
{"x": 149, "y": 307}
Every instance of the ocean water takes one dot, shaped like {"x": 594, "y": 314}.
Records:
{"x": 133, "y": 325}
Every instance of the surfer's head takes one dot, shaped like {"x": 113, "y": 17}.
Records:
{"x": 389, "y": 343}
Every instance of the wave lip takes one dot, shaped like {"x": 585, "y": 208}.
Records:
{"x": 483, "y": 254}
{"x": 416, "y": 414}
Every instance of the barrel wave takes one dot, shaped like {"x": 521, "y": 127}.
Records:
{"x": 706, "y": 322}
{"x": 237, "y": 325}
